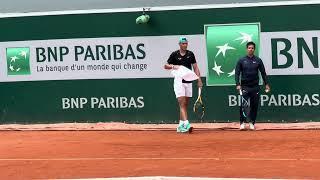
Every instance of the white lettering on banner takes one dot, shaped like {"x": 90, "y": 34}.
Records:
{"x": 283, "y": 53}
{"x": 74, "y": 103}
{"x": 293, "y": 100}
{"x": 103, "y": 103}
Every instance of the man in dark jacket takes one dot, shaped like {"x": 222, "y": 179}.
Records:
{"x": 247, "y": 81}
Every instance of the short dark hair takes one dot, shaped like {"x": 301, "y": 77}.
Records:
{"x": 251, "y": 43}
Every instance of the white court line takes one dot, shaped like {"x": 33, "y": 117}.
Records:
{"x": 274, "y": 159}
{"x": 174, "y": 178}
{"x": 160, "y": 158}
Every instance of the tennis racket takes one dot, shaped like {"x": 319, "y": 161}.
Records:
{"x": 198, "y": 106}
{"x": 245, "y": 105}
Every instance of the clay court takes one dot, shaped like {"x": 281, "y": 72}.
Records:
{"x": 229, "y": 153}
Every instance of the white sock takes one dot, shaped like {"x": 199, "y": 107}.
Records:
{"x": 181, "y": 122}
{"x": 186, "y": 122}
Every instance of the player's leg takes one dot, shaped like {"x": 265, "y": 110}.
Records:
{"x": 188, "y": 90}
{"x": 254, "y": 104}
{"x": 183, "y": 99}
{"x": 183, "y": 102}
{"x": 180, "y": 95}
{"x": 184, "y": 125}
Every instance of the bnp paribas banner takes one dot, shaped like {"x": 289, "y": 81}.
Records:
{"x": 225, "y": 44}
{"x": 283, "y": 53}
{"x": 92, "y": 58}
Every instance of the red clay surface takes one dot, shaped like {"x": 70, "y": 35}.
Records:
{"x": 97, "y": 154}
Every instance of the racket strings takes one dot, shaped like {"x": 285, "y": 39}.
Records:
{"x": 245, "y": 107}
{"x": 198, "y": 107}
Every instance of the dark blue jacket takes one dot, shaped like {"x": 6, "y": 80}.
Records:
{"x": 248, "y": 68}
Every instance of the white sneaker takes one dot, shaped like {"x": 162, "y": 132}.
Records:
{"x": 242, "y": 126}
{"x": 251, "y": 126}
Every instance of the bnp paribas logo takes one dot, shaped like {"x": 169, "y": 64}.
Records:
{"x": 18, "y": 61}
{"x": 225, "y": 44}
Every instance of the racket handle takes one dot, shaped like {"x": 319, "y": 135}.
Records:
{"x": 199, "y": 91}
{"x": 240, "y": 92}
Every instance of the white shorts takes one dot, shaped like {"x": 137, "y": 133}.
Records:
{"x": 182, "y": 89}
